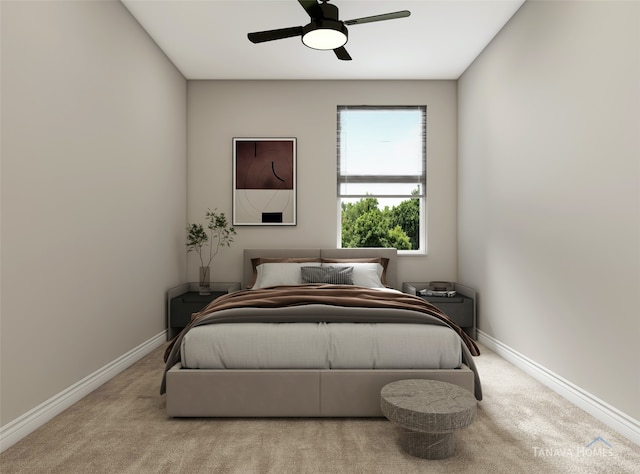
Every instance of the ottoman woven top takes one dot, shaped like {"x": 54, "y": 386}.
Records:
{"x": 429, "y": 406}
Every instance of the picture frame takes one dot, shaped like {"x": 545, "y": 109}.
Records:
{"x": 264, "y": 181}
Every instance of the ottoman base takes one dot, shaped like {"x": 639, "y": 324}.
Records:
{"x": 428, "y": 445}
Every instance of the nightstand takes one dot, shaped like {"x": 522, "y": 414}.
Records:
{"x": 184, "y": 300}
{"x": 461, "y": 308}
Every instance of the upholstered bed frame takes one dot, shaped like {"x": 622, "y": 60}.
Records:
{"x": 294, "y": 393}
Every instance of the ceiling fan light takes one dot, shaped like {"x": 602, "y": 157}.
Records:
{"x": 324, "y": 35}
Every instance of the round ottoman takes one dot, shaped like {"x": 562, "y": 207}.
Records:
{"x": 430, "y": 411}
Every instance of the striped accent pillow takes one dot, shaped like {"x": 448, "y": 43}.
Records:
{"x": 327, "y": 274}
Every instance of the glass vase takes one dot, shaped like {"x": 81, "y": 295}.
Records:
{"x": 204, "y": 281}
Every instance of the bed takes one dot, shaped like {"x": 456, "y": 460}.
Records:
{"x": 314, "y": 333}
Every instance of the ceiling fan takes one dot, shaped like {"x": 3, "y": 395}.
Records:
{"x": 325, "y": 31}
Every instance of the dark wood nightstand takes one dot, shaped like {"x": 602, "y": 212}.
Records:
{"x": 184, "y": 300}
{"x": 461, "y": 308}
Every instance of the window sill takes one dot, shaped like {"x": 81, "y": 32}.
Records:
{"x": 412, "y": 253}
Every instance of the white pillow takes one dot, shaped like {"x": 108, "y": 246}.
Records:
{"x": 364, "y": 274}
{"x": 277, "y": 274}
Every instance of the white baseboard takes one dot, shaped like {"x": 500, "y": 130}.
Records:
{"x": 610, "y": 416}
{"x": 17, "y": 429}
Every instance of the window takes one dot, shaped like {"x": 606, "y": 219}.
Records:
{"x": 382, "y": 176}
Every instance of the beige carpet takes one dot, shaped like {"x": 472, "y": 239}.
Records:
{"x": 521, "y": 427}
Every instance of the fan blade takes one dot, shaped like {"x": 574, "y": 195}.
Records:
{"x": 342, "y": 54}
{"x": 312, "y": 7}
{"x": 262, "y": 36}
{"x": 385, "y": 16}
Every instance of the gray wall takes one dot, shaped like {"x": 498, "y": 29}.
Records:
{"x": 549, "y": 203}
{"x": 93, "y": 193}
{"x": 221, "y": 110}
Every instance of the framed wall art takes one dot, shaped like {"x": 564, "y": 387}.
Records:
{"x": 264, "y": 181}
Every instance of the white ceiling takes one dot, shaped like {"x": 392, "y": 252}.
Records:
{"x": 207, "y": 39}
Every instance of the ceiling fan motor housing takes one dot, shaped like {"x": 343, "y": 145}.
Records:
{"x": 329, "y": 12}
{"x": 325, "y": 30}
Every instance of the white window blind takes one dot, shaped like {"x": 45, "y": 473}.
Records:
{"x": 381, "y": 150}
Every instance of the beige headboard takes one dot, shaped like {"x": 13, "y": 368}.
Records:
{"x": 391, "y": 254}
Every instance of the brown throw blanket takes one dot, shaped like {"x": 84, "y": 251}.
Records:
{"x": 240, "y": 306}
